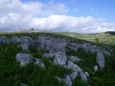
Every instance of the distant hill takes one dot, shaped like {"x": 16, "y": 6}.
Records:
{"x": 110, "y": 32}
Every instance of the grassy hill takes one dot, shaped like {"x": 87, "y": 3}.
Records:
{"x": 11, "y": 74}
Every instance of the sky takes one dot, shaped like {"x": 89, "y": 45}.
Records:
{"x": 81, "y": 16}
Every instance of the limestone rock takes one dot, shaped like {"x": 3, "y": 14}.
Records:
{"x": 4, "y": 40}
{"x": 24, "y": 47}
{"x": 86, "y": 74}
{"x": 23, "y": 58}
{"x": 73, "y": 67}
{"x": 95, "y": 68}
{"x": 100, "y": 60}
{"x": 59, "y": 79}
{"x": 86, "y": 47}
{"x": 70, "y": 64}
{"x": 27, "y": 40}
{"x": 73, "y": 75}
{"x": 39, "y": 62}
{"x": 74, "y": 58}
{"x": 68, "y": 81}
{"x": 107, "y": 53}
{"x": 15, "y": 39}
{"x": 74, "y": 47}
{"x": 60, "y": 59}
{"x": 83, "y": 77}
{"x": 22, "y": 84}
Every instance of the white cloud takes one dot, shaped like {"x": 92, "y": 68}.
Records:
{"x": 34, "y": 8}
{"x": 16, "y": 15}
{"x": 15, "y": 22}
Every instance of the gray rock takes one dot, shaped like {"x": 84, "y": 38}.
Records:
{"x": 24, "y": 47}
{"x": 46, "y": 55}
{"x": 15, "y": 39}
{"x": 76, "y": 68}
{"x": 73, "y": 75}
{"x": 59, "y": 79}
{"x": 27, "y": 40}
{"x": 107, "y": 53}
{"x": 50, "y": 54}
{"x": 83, "y": 77}
{"x": 74, "y": 58}
{"x": 73, "y": 67}
{"x": 86, "y": 47}
{"x": 22, "y": 84}
{"x": 100, "y": 60}
{"x": 74, "y": 47}
{"x": 60, "y": 59}
{"x": 86, "y": 74}
{"x": 93, "y": 48}
{"x": 39, "y": 62}
{"x": 42, "y": 40}
{"x": 4, "y": 40}
{"x": 95, "y": 68}
{"x": 68, "y": 81}
{"x": 70, "y": 64}
{"x": 23, "y": 58}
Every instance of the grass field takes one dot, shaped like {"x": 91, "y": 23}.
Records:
{"x": 11, "y": 74}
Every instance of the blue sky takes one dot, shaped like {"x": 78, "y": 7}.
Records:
{"x": 95, "y": 8}
{"x": 83, "y": 16}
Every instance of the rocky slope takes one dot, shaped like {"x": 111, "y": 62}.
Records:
{"x": 56, "y": 50}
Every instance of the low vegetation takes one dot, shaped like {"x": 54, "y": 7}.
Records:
{"x": 11, "y": 74}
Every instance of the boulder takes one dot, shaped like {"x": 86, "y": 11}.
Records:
{"x": 70, "y": 64}
{"x": 95, "y": 68}
{"x": 86, "y": 47}
{"x": 15, "y": 39}
{"x": 73, "y": 47}
{"x": 76, "y": 68}
{"x": 93, "y": 48}
{"x": 27, "y": 40}
{"x": 74, "y": 58}
{"x": 60, "y": 59}
{"x": 68, "y": 81}
{"x": 39, "y": 62}
{"x": 48, "y": 43}
{"x": 107, "y": 53}
{"x": 41, "y": 40}
{"x": 50, "y": 54}
{"x": 86, "y": 74}
{"x": 4, "y": 40}
{"x": 22, "y": 84}
{"x": 24, "y": 47}
{"x": 83, "y": 76}
{"x": 73, "y": 75}
{"x": 73, "y": 67}
{"x": 59, "y": 79}
{"x": 100, "y": 59}
{"x": 23, "y": 58}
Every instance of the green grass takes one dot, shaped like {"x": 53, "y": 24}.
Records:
{"x": 11, "y": 74}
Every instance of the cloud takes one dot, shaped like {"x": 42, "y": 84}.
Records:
{"x": 16, "y": 22}
{"x": 31, "y": 7}
{"x": 16, "y": 15}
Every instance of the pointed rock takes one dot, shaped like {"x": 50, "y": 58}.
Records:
{"x": 95, "y": 68}
{"x": 100, "y": 60}
{"x": 68, "y": 81}
{"x": 23, "y": 58}
{"x": 74, "y": 58}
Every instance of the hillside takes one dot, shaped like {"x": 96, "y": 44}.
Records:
{"x": 57, "y": 59}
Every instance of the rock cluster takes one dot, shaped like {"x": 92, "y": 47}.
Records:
{"x": 57, "y": 49}
{"x": 4, "y": 40}
{"x": 23, "y": 58}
